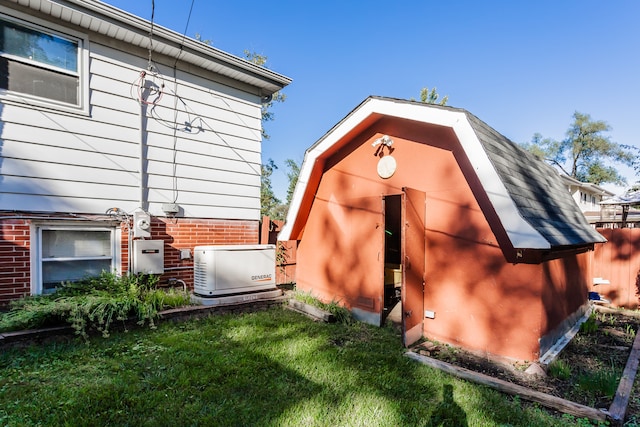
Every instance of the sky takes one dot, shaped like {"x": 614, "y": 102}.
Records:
{"x": 520, "y": 66}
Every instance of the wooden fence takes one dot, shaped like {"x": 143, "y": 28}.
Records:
{"x": 618, "y": 261}
{"x": 285, "y": 251}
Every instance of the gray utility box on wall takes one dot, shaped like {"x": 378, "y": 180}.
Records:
{"x": 148, "y": 256}
{"x": 225, "y": 270}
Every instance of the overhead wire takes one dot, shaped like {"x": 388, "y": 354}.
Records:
{"x": 175, "y": 107}
{"x": 151, "y": 94}
{"x": 153, "y": 10}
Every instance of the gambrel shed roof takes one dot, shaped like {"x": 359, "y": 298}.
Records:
{"x": 532, "y": 205}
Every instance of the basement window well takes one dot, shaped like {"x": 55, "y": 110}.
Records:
{"x": 62, "y": 254}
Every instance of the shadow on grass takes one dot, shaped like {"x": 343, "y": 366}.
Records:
{"x": 269, "y": 368}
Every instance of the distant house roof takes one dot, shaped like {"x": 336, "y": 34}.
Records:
{"x": 586, "y": 186}
{"x": 117, "y": 24}
{"x": 532, "y": 203}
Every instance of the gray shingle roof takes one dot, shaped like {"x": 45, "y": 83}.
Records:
{"x": 537, "y": 190}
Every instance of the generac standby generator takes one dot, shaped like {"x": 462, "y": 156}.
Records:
{"x": 233, "y": 269}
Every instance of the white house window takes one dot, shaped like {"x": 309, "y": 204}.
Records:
{"x": 39, "y": 62}
{"x": 583, "y": 197}
{"x": 71, "y": 253}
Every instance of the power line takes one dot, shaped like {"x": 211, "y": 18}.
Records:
{"x": 153, "y": 11}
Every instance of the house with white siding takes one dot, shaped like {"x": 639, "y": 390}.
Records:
{"x": 588, "y": 197}
{"x": 120, "y": 139}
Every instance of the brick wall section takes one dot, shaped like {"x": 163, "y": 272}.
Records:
{"x": 177, "y": 233}
{"x": 183, "y": 233}
{"x": 15, "y": 278}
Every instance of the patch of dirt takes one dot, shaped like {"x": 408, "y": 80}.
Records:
{"x": 587, "y": 371}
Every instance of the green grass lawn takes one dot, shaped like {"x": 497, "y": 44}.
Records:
{"x": 270, "y": 368}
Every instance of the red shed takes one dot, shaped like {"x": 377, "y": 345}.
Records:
{"x": 428, "y": 207}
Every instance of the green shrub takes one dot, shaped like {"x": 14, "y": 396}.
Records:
{"x": 94, "y": 303}
{"x": 590, "y": 325}
{"x": 560, "y": 369}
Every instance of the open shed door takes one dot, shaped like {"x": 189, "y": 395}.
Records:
{"x": 413, "y": 264}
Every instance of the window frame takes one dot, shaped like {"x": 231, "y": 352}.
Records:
{"x": 36, "y": 230}
{"x": 82, "y": 73}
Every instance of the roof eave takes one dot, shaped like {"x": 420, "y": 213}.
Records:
{"x": 110, "y": 21}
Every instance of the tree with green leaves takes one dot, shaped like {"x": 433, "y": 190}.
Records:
{"x": 431, "y": 96}
{"x": 268, "y": 200}
{"x": 586, "y": 152}
{"x": 267, "y": 114}
{"x": 292, "y": 175}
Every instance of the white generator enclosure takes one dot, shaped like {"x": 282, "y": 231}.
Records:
{"x": 226, "y": 270}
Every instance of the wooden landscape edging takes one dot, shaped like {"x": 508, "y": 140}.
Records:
{"x": 547, "y": 400}
{"x": 311, "y": 311}
{"x": 616, "y": 413}
{"x": 618, "y": 408}
{"x": 173, "y": 314}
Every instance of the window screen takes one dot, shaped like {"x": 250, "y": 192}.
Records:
{"x": 38, "y": 63}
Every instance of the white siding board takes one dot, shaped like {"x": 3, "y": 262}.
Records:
{"x": 67, "y": 156}
{"x": 75, "y": 189}
{"x": 206, "y": 104}
{"x": 112, "y": 62}
{"x": 159, "y": 182}
{"x": 13, "y": 133}
{"x": 213, "y": 200}
{"x": 40, "y": 203}
{"x": 124, "y": 105}
{"x": 165, "y": 125}
{"x": 79, "y": 125}
{"x": 66, "y": 172}
{"x": 185, "y": 141}
{"x": 206, "y": 156}
{"x": 232, "y": 165}
{"x": 216, "y": 212}
{"x": 110, "y": 115}
{"x": 109, "y": 84}
{"x": 212, "y": 175}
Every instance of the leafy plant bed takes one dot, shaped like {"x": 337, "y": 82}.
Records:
{"x": 94, "y": 304}
{"x": 587, "y": 371}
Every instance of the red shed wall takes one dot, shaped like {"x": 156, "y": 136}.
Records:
{"x": 480, "y": 301}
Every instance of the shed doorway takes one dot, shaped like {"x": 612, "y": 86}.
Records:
{"x": 404, "y": 262}
{"x": 392, "y": 259}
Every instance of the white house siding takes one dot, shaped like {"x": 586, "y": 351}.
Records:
{"x": 57, "y": 161}
{"x": 66, "y": 169}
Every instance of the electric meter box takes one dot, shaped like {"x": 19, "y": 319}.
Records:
{"x": 233, "y": 269}
{"x": 148, "y": 256}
